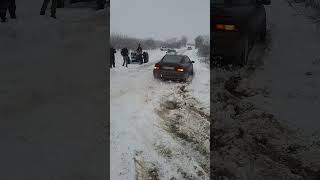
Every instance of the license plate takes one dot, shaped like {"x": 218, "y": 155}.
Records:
{"x": 168, "y": 68}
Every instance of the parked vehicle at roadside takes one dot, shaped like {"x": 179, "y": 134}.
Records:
{"x": 163, "y": 48}
{"x": 237, "y": 25}
{"x": 171, "y": 51}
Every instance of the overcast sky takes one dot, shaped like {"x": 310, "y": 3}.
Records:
{"x": 160, "y": 19}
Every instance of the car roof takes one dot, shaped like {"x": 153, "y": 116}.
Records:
{"x": 180, "y": 55}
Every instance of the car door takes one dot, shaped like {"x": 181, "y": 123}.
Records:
{"x": 252, "y": 21}
{"x": 189, "y": 64}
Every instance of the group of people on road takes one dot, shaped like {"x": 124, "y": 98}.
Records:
{"x": 10, "y": 5}
{"x": 125, "y": 54}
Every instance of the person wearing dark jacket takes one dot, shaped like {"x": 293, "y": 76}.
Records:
{"x": 9, "y": 5}
{"x": 12, "y": 9}
{"x": 54, "y": 4}
{"x": 139, "y": 51}
{"x": 145, "y": 57}
{"x": 112, "y": 57}
{"x": 125, "y": 54}
{"x": 3, "y": 9}
{"x": 100, "y": 4}
{"x": 60, "y": 4}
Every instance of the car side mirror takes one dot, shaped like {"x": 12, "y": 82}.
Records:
{"x": 264, "y": 2}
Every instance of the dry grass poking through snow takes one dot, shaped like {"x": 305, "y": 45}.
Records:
{"x": 186, "y": 122}
{"x": 145, "y": 170}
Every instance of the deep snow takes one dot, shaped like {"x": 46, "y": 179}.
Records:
{"x": 138, "y": 121}
{"x": 256, "y": 109}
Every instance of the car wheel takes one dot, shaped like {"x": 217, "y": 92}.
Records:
{"x": 245, "y": 53}
{"x": 263, "y": 33}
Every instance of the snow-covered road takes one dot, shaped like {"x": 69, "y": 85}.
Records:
{"x": 52, "y": 94}
{"x": 291, "y": 73}
{"x": 139, "y": 120}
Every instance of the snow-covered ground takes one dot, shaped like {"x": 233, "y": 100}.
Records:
{"x": 52, "y": 94}
{"x": 158, "y": 129}
{"x": 291, "y": 72}
{"x": 256, "y": 110}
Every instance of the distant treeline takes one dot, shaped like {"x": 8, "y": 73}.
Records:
{"x": 119, "y": 41}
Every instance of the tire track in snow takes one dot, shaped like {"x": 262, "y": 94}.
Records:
{"x": 182, "y": 116}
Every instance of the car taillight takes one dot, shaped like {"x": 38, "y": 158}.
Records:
{"x": 157, "y": 67}
{"x": 179, "y": 69}
{"x": 225, "y": 27}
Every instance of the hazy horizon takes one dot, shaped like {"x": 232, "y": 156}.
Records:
{"x": 160, "y": 20}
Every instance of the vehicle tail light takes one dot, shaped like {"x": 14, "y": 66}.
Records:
{"x": 180, "y": 69}
{"x": 157, "y": 66}
{"x": 225, "y": 27}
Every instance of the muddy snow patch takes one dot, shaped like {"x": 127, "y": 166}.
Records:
{"x": 145, "y": 170}
{"x": 190, "y": 126}
{"x": 250, "y": 143}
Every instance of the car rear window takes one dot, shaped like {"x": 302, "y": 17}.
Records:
{"x": 172, "y": 59}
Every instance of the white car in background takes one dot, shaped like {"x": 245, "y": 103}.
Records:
{"x": 164, "y": 48}
{"x": 171, "y": 51}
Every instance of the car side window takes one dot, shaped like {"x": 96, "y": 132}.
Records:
{"x": 188, "y": 59}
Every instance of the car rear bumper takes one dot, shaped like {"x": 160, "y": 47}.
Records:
{"x": 173, "y": 75}
{"x": 227, "y": 44}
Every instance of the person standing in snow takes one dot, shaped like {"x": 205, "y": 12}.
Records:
{"x": 125, "y": 54}
{"x": 100, "y": 4}
{"x": 9, "y": 5}
{"x": 145, "y": 57}
{"x": 12, "y": 9}
{"x": 54, "y": 4}
{"x": 112, "y": 57}
{"x": 139, "y": 51}
{"x": 60, "y": 4}
{"x": 3, "y": 10}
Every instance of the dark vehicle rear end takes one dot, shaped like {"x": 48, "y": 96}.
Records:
{"x": 174, "y": 67}
{"x": 235, "y": 26}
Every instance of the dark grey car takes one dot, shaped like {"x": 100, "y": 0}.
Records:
{"x": 236, "y": 26}
{"x": 174, "y": 67}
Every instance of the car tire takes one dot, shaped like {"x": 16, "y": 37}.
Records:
{"x": 245, "y": 53}
{"x": 185, "y": 79}
{"x": 263, "y": 33}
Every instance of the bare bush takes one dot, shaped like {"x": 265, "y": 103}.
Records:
{"x": 202, "y": 43}
{"x": 313, "y": 3}
{"x": 119, "y": 41}
{"x": 176, "y": 42}
{"x": 198, "y": 41}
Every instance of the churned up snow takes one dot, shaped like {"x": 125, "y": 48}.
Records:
{"x": 153, "y": 134}
{"x": 256, "y": 109}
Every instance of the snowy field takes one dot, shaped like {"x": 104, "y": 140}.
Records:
{"x": 159, "y": 129}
